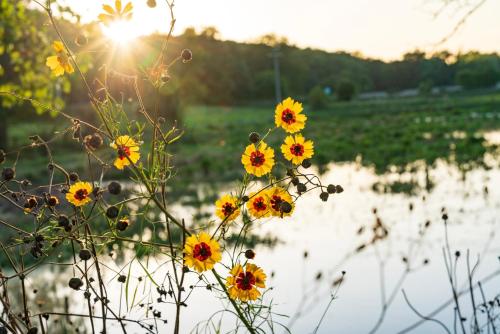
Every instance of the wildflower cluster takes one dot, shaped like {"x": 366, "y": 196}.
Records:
{"x": 89, "y": 215}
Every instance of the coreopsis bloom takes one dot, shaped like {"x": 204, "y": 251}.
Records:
{"x": 277, "y": 196}
{"x": 79, "y": 193}
{"x": 117, "y": 13}
{"x": 288, "y": 115}
{"x": 59, "y": 63}
{"x": 201, "y": 252}
{"x": 258, "y": 205}
{"x": 258, "y": 160}
{"x": 227, "y": 208}
{"x": 243, "y": 283}
{"x": 296, "y": 149}
{"x": 126, "y": 146}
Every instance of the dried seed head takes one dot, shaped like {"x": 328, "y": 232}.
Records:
{"x": 295, "y": 180}
{"x": 75, "y": 283}
{"x": 114, "y": 188}
{"x": 73, "y": 177}
{"x": 8, "y": 174}
{"x": 285, "y": 207}
{"x": 339, "y": 189}
{"x": 93, "y": 141}
{"x": 122, "y": 278}
{"x": 112, "y": 212}
{"x": 245, "y": 199}
{"x": 249, "y": 254}
{"x": 324, "y": 196}
{"x": 186, "y": 55}
{"x": 254, "y": 137}
{"x": 331, "y": 189}
{"x": 122, "y": 224}
{"x": 301, "y": 188}
{"x": 151, "y": 3}
{"x": 52, "y": 201}
{"x": 85, "y": 254}
{"x": 81, "y": 40}
{"x": 63, "y": 220}
{"x": 306, "y": 163}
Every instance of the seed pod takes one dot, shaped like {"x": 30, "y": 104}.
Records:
{"x": 285, "y": 207}
{"x": 63, "y": 221}
{"x": 8, "y": 174}
{"x": 52, "y": 201}
{"x": 122, "y": 224}
{"x": 249, "y": 254}
{"x": 122, "y": 278}
{"x": 295, "y": 181}
{"x": 32, "y": 330}
{"x": 254, "y": 137}
{"x": 114, "y": 188}
{"x": 301, "y": 188}
{"x": 186, "y": 55}
{"x": 75, "y": 283}
{"x": 73, "y": 177}
{"x": 151, "y": 3}
{"x": 331, "y": 189}
{"x": 85, "y": 254}
{"x": 324, "y": 196}
{"x": 339, "y": 189}
{"x": 245, "y": 199}
{"x": 306, "y": 163}
{"x": 93, "y": 141}
{"x": 112, "y": 212}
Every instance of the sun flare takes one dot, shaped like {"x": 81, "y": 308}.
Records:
{"x": 121, "y": 32}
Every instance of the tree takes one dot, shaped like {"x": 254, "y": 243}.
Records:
{"x": 23, "y": 51}
{"x": 317, "y": 98}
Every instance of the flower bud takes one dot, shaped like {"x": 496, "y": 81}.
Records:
{"x": 122, "y": 278}
{"x": 63, "y": 221}
{"x": 301, "y": 188}
{"x": 324, "y": 196}
{"x": 331, "y": 189}
{"x": 339, "y": 189}
{"x": 285, "y": 207}
{"x": 93, "y": 141}
{"x": 122, "y": 224}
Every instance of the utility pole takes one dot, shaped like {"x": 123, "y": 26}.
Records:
{"x": 276, "y": 54}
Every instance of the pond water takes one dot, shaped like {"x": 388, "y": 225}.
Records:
{"x": 336, "y": 236}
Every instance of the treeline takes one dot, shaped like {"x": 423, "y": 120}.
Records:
{"x": 226, "y": 72}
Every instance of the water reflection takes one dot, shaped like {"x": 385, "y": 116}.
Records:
{"x": 384, "y": 241}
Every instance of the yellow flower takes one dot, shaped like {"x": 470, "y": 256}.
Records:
{"x": 243, "y": 284}
{"x": 258, "y": 205}
{"x": 126, "y": 147}
{"x": 115, "y": 14}
{"x": 296, "y": 149}
{"x": 59, "y": 63}
{"x": 79, "y": 193}
{"x": 288, "y": 115}
{"x": 201, "y": 252}
{"x": 227, "y": 208}
{"x": 278, "y": 195}
{"x": 258, "y": 160}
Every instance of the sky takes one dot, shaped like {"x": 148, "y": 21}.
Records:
{"x": 384, "y": 29}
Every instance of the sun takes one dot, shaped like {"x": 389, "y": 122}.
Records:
{"x": 121, "y": 32}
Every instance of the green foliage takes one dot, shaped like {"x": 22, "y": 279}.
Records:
{"x": 317, "y": 98}
{"x": 345, "y": 91}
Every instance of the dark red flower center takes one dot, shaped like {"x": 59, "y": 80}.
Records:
{"x": 81, "y": 194}
{"x": 276, "y": 202}
{"x": 228, "y": 209}
{"x": 259, "y": 204}
{"x": 257, "y": 159}
{"x": 245, "y": 281}
{"x": 123, "y": 151}
{"x": 202, "y": 251}
{"x": 297, "y": 149}
{"x": 288, "y": 116}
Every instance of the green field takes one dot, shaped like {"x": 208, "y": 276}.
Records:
{"x": 383, "y": 134}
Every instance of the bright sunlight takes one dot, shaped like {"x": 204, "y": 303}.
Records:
{"x": 121, "y": 32}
